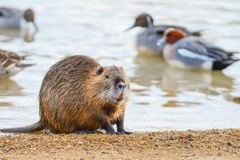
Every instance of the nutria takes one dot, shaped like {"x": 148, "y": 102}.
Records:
{"x": 78, "y": 94}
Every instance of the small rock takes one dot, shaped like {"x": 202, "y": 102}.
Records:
{"x": 229, "y": 144}
{"x": 165, "y": 138}
{"x": 80, "y": 143}
{"x": 219, "y": 154}
{"x": 6, "y": 149}
{"x": 31, "y": 138}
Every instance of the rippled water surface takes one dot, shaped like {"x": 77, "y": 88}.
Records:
{"x": 163, "y": 97}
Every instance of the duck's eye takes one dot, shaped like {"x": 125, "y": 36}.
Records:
{"x": 160, "y": 32}
{"x": 107, "y": 76}
{"x": 100, "y": 71}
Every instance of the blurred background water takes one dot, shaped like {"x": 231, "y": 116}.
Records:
{"x": 163, "y": 98}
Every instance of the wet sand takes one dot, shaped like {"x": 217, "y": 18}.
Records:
{"x": 207, "y": 144}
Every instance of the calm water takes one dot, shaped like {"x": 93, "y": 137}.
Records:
{"x": 163, "y": 97}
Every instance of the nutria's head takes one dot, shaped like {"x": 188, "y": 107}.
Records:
{"x": 112, "y": 85}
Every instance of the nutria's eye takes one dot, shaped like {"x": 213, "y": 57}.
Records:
{"x": 107, "y": 76}
{"x": 100, "y": 71}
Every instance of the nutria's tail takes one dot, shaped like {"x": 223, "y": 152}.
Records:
{"x": 28, "y": 129}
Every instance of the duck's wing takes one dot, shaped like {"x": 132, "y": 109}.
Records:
{"x": 161, "y": 28}
{"x": 6, "y": 72}
{"x": 211, "y": 48}
{"x": 190, "y": 58}
{"x": 9, "y": 12}
{"x": 194, "y": 54}
{"x": 8, "y": 58}
{"x": 10, "y": 63}
{"x": 10, "y": 17}
{"x": 191, "y": 53}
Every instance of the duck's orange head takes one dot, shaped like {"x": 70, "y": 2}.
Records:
{"x": 172, "y": 35}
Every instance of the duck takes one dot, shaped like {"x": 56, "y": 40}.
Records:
{"x": 188, "y": 52}
{"x": 146, "y": 40}
{"x": 15, "y": 18}
{"x": 10, "y": 63}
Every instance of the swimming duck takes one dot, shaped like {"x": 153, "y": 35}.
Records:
{"x": 146, "y": 41}
{"x": 14, "y": 18}
{"x": 10, "y": 64}
{"x": 191, "y": 52}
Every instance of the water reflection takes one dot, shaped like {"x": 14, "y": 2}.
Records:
{"x": 153, "y": 71}
{"x": 175, "y": 103}
{"x": 11, "y": 33}
{"x": 221, "y": 81}
{"x": 148, "y": 70}
{"x": 9, "y": 87}
{"x": 178, "y": 80}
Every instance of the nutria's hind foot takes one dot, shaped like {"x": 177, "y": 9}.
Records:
{"x": 111, "y": 131}
{"x": 84, "y": 132}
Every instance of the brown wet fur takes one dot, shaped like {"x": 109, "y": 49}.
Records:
{"x": 173, "y": 35}
{"x": 69, "y": 96}
{"x": 72, "y": 98}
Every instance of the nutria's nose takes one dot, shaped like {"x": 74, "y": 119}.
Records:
{"x": 121, "y": 85}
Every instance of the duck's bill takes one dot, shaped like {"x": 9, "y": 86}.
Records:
{"x": 133, "y": 26}
{"x": 161, "y": 41}
{"x": 35, "y": 26}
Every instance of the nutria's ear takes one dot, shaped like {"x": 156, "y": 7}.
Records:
{"x": 100, "y": 71}
{"x": 120, "y": 68}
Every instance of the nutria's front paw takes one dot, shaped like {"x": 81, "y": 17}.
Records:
{"x": 127, "y": 132}
{"x": 124, "y": 132}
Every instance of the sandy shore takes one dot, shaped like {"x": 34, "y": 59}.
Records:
{"x": 208, "y": 144}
